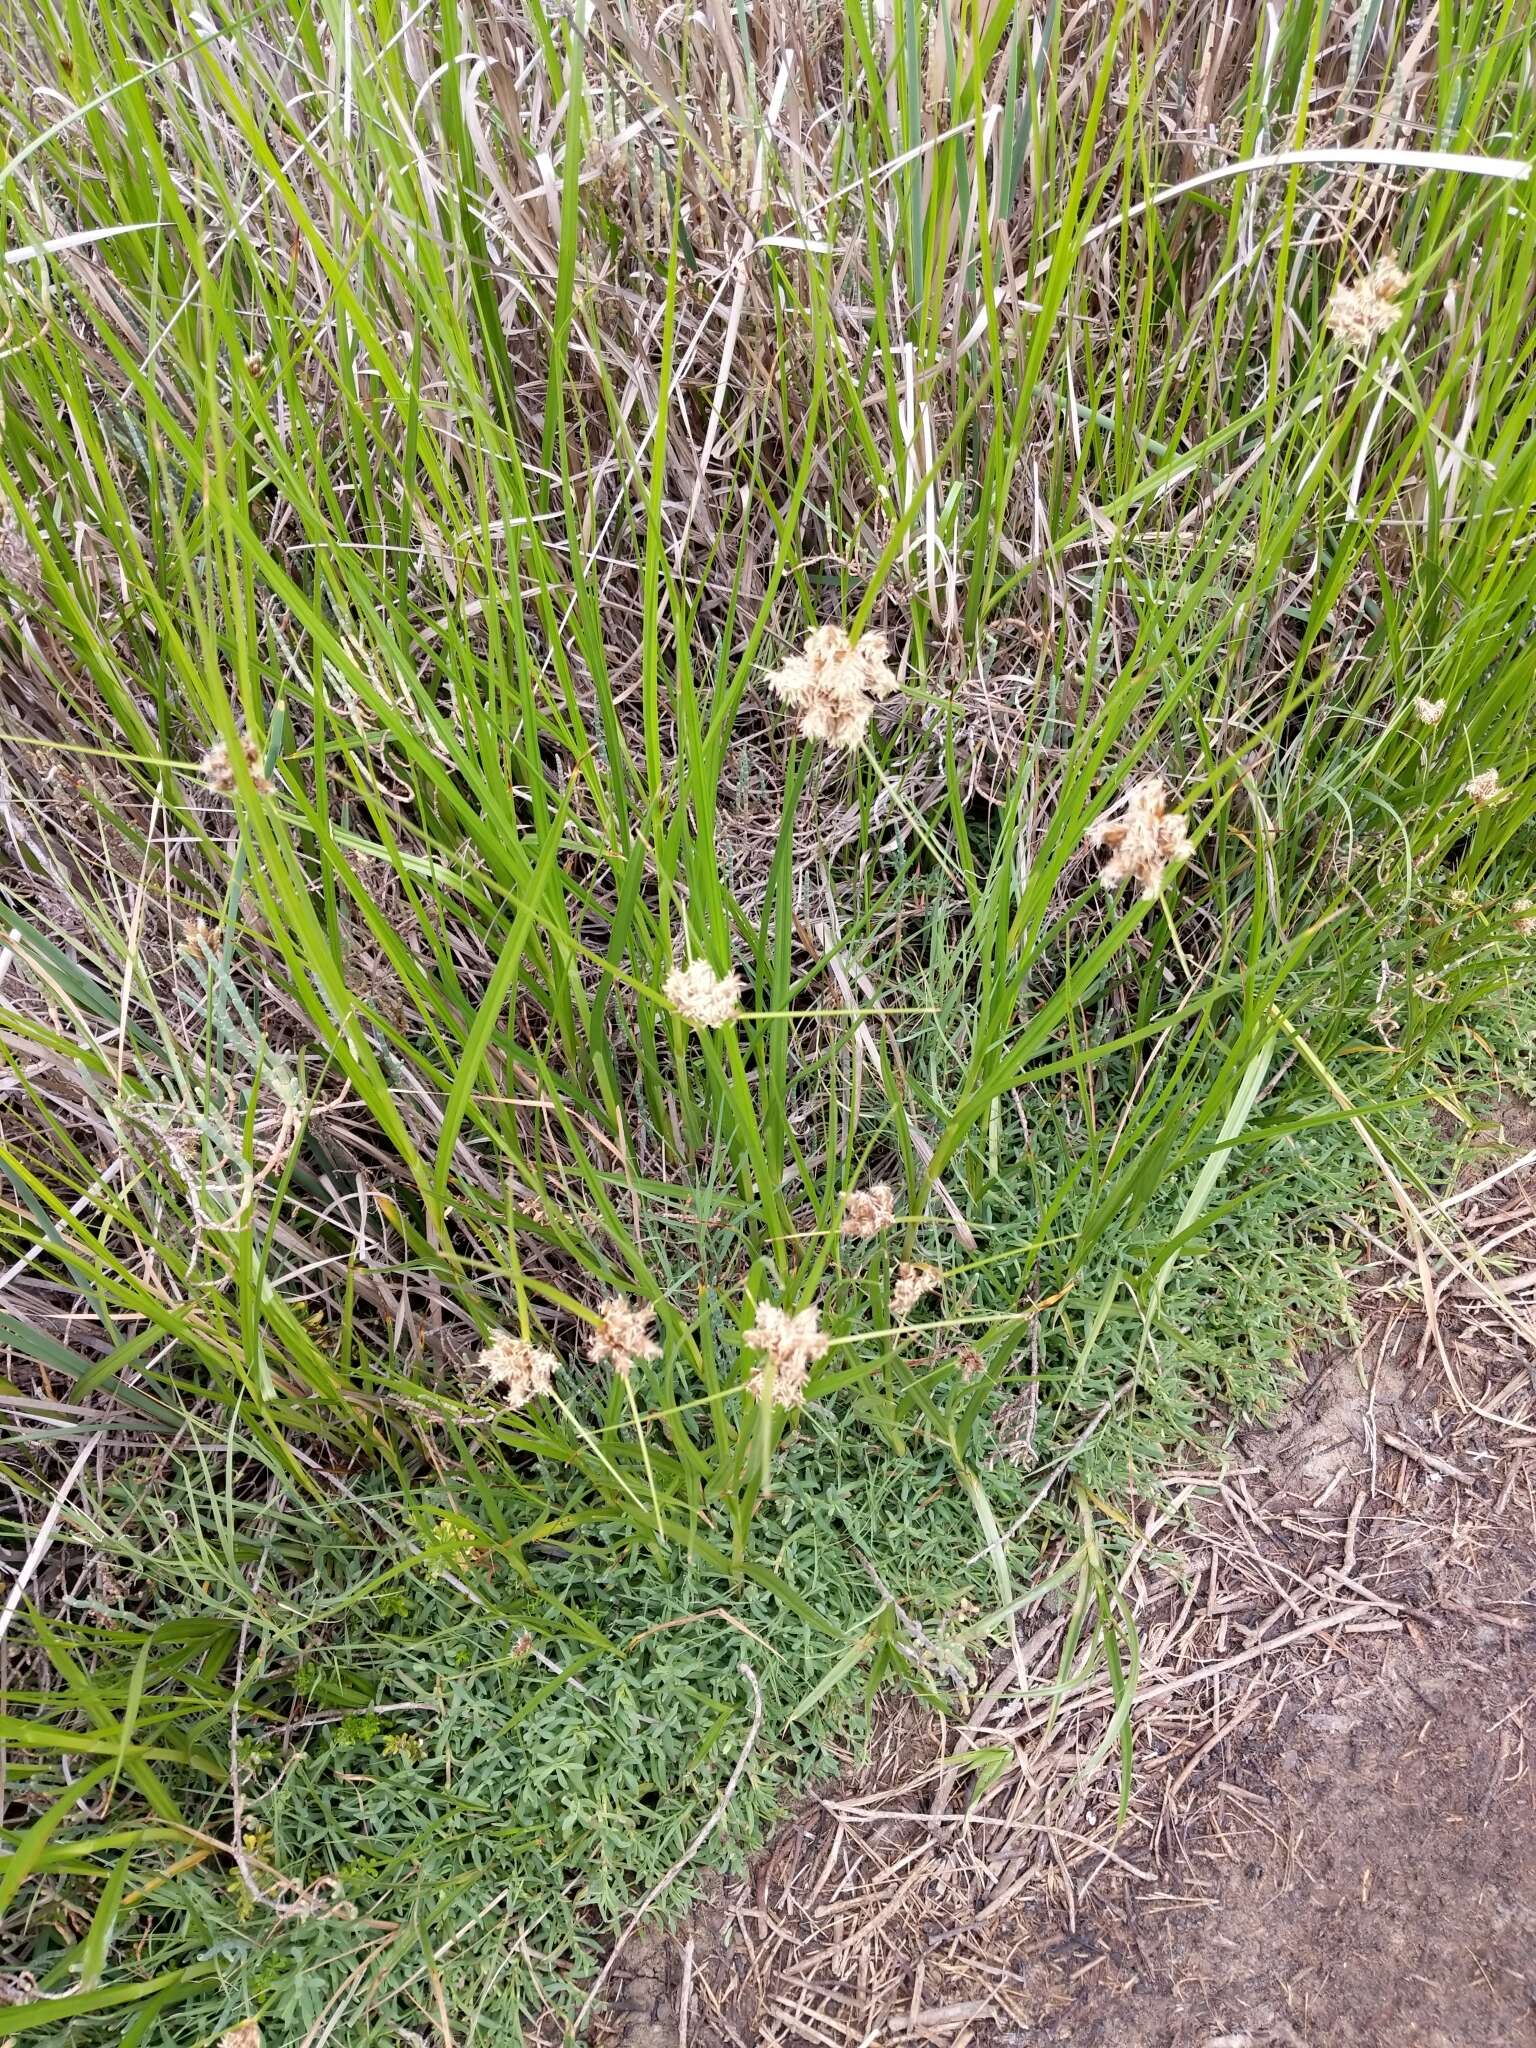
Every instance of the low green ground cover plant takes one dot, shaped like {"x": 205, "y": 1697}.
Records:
{"x": 591, "y": 1169}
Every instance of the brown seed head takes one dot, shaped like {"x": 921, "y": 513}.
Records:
{"x": 834, "y": 684}
{"x": 517, "y": 1369}
{"x": 623, "y": 1336}
{"x": 1484, "y": 789}
{"x": 868, "y": 1211}
{"x": 912, "y": 1283}
{"x": 1359, "y": 314}
{"x": 791, "y": 1343}
{"x": 218, "y": 769}
{"x": 1143, "y": 839}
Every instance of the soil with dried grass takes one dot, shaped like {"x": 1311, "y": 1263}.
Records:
{"x": 1332, "y": 1836}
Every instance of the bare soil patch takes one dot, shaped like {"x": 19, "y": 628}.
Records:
{"x": 1332, "y": 1842}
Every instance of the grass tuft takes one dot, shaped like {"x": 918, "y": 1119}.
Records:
{"x": 593, "y": 599}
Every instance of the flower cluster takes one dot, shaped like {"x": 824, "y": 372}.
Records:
{"x": 868, "y": 1211}
{"x": 623, "y": 1337}
{"x": 701, "y": 997}
{"x": 791, "y": 1342}
{"x": 1359, "y": 314}
{"x": 218, "y": 769}
{"x": 517, "y": 1369}
{"x": 1143, "y": 839}
{"x": 913, "y": 1282}
{"x": 1484, "y": 789}
{"x": 834, "y": 684}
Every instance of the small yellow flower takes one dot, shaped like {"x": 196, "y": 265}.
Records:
{"x": 1359, "y": 314}
{"x": 791, "y": 1343}
{"x": 701, "y": 997}
{"x": 868, "y": 1211}
{"x": 457, "y": 1543}
{"x": 1484, "y": 789}
{"x": 624, "y": 1336}
{"x": 517, "y": 1369}
{"x": 1429, "y": 710}
{"x": 1143, "y": 840}
{"x": 913, "y": 1282}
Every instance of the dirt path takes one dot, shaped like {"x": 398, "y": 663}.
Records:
{"x": 1366, "y": 1874}
{"x": 1333, "y": 1838}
